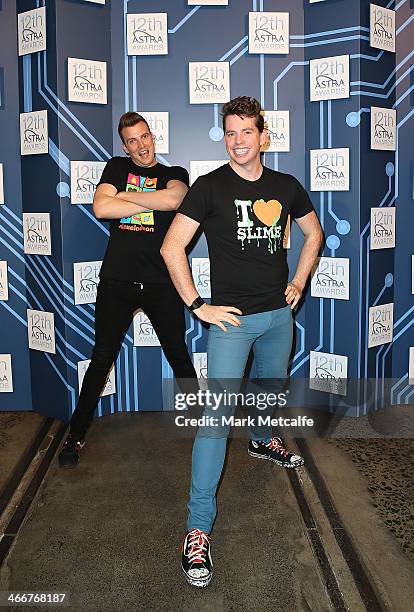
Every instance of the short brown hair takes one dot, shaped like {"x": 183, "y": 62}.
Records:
{"x": 128, "y": 120}
{"x": 244, "y": 106}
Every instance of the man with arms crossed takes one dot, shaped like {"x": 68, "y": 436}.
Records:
{"x": 140, "y": 196}
{"x": 243, "y": 208}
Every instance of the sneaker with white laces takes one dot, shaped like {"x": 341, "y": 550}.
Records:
{"x": 196, "y": 559}
{"x": 69, "y": 455}
{"x": 274, "y": 451}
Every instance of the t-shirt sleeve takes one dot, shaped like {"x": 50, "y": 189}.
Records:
{"x": 302, "y": 204}
{"x": 177, "y": 173}
{"x": 196, "y": 203}
{"x": 113, "y": 173}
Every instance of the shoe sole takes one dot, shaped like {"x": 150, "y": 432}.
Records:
{"x": 198, "y": 582}
{"x": 288, "y": 466}
{"x": 68, "y": 466}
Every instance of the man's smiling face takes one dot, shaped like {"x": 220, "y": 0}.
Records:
{"x": 139, "y": 143}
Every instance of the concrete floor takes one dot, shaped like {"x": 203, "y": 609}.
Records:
{"x": 108, "y": 533}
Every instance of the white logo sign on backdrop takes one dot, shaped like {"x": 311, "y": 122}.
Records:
{"x": 85, "y": 281}
{"x": 209, "y": 82}
{"x": 200, "y": 364}
{"x": 1, "y": 185}
{"x": 381, "y": 321}
{"x": 200, "y": 269}
{"x": 278, "y": 128}
{"x": 200, "y": 168}
{"x": 87, "y": 81}
{"x": 31, "y": 31}
{"x": 383, "y": 129}
{"x": 382, "y": 28}
{"x": 328, "y": 372}
{"x": 84, "y": 176}
{"x": 382, "y": 228}
{"x": 330, "y": 278}
{"x": 329, "y": 78}
{"x": 109, "y": 387}
{"x": 147, "y": 34}
{"x": 329, "y": 169}
{"x": 411, "y": 367}
{"x": 41, "y": 330}
{"x": 268, "y": 32}
{"x": 159, "y": 125}
{"x": 95, "y": 1}
{"x": 208, "y": 2}
{"x": 4, "y": 283}
{"x": 144, "y": 334}
{"x": 34, "y": 138}
{"x": 6, "y": 375}
{"x": 36, "y": 234}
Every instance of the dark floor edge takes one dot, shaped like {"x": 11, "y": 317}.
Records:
{"x": 14, "y": 479}
{"x": 361, "y": 577}
{"x": 331, "y": 583}
{"x": 5, "y": 545}
{"x": 20, "y": 512}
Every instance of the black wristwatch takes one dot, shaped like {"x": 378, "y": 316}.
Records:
{"x": 196, "y": 304}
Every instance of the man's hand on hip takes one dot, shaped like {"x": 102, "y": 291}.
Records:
{"x": 293, "y": 294}
{"x": 217, "y": 314}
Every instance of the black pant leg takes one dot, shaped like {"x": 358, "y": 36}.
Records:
{"x": 114, "y": 309}
{"x": 165, "y": 309}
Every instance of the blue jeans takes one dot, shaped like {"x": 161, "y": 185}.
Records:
{"x": 269, "y": 334}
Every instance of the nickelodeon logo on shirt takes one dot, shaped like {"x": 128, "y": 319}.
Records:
{"x": 268, "y": 214}
{"x": 139, "y": 183}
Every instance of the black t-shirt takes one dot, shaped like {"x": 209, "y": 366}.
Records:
{"x": 244, "y": 223}
{"x": 133, "y": 252}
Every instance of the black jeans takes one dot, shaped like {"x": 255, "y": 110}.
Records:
{"x": 116, "y": 302}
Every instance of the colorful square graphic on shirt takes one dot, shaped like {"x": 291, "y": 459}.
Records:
{"x": 140, "y": 184}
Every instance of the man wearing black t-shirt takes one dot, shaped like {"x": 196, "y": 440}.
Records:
{"x": 244, "y": 209}
{"x": 140, "y": 197}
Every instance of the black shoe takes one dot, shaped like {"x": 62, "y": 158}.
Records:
{"x": 196, "y": 559}
{"x": 276, "y": 452}
{"x": 69, "y": 455}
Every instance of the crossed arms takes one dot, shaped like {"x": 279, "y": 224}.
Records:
{"x": 108, "y": 204}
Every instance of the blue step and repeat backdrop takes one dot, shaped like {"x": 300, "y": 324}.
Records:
{"x": 335, "y": 78}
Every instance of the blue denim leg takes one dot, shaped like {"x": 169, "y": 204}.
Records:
{"x": 227, "y": 356}
{"x": 271, "y": 357}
